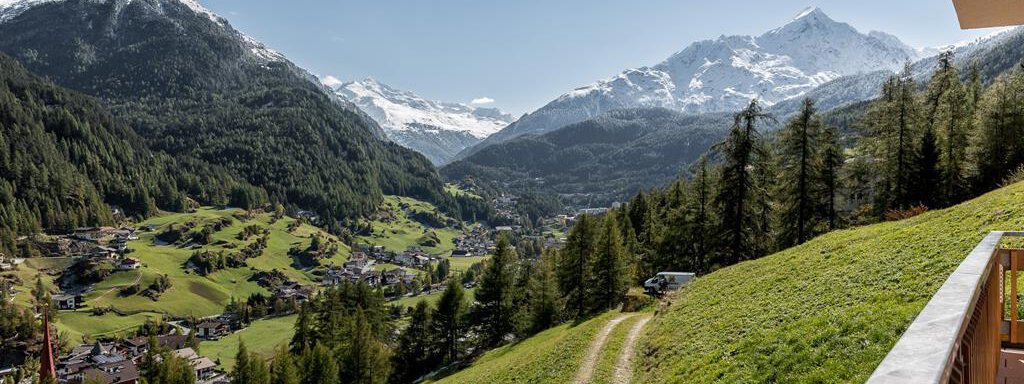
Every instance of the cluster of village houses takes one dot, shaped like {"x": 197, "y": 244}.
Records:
{"x": 118, "y": 362}
{"x": 505, "y": 208}
{"x": 359, "y": 267}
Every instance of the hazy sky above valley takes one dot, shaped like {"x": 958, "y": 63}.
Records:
{"x": 522, "y": 54}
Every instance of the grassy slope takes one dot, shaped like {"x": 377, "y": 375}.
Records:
{"x": 826, "y": 311}
{"x": 190, "y": 294}
{"x": 403, "y": 232}
{"x": 605, "y": 368}
{"x": 432, "y": 298}
{"x": 262, "y": 336}
{"x": 552, "y": 356}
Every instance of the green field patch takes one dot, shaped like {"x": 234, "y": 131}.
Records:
{"x": 552, "y": 356}
{"x": 431, "y": 298}
{"x": 262, "y": 337}
{"x": 75, "y": 324}
{"x": 825, "y": 311}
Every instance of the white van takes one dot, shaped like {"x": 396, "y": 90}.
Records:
{"x": 668, "y": 281}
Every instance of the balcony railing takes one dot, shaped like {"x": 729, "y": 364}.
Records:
{"x": 958, "y": 336}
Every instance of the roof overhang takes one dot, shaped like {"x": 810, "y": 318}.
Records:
{"x": 989, "y": 13}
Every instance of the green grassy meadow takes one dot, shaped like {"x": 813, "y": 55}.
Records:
{"x": 552, "y": 356}
{"x": 262, "y": 337}
{"x": 825, "y": 311}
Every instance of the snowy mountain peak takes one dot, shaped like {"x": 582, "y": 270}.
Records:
{"x": 437, "y": 129}
{"x": 811, "y": 12}
{"x": 10, "y": 9}
{"x": 725, "y": 73}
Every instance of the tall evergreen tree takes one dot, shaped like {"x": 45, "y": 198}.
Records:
{"x": 448, "y": 321}
{"x": 318, "y": 365}
{"x": 947, "y": 108}
{"x": 303, "y": 330}
{"x": 249, "y": 368}
{"x": 998, "y": 147}
{"x": 830, "y": 162}
{"x": 609, "y": 275}
{"x": 927, "y": 174}
{"x": 798, "y": 190}
{"x": 495, "y": 311}
{"x": 703, "y": 220}
{"x": 365, "y": 359}
{"x": 545, "y": 299}
{"x": 283, "y": 369}
{"x": 738, "y": 190}
{"x": 892, "y": 138}
{"x": 574, "y": 263}
{"x": 415, "y": 355}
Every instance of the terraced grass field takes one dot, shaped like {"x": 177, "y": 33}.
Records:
{"x": 825, "y": 311}
{"x": 192, "y": 294}
{"x": 403, "y": 232}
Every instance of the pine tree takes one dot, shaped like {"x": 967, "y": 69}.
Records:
{"x": 249, "y": 368}
{"x": 609, "y": 275}
{"x": 283, "y": 369}
{"x": 998, "y": 148}
{"x": 318, "y": 366}
{"x": 495, "y": 310}
{"x": 927, "y": 171}
{"x": 796, "y": 154}
{"x": 448, "y": 321}
{"x": 366, "y": 359}
{"x": 738, "y": 190}
{"x": 892, "y": 137}
{"x": 947, "y": 106}
{"x": 545, "y": 299}
{"x": 303, "y": 330}
{"x": 415, "y": 355}
{"x": 830, "y": 162}
{"x": 703, "y": 220}
{"x": 574, "y": 263}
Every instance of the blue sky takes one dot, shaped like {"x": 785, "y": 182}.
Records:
{"x": 524, "y": 53}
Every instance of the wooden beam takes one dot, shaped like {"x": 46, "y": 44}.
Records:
{"x": 989, "y": 13}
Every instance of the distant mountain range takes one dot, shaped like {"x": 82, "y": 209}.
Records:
{"x": 612, "y": 156}
{"x": 725, "y": 73}
{"x": 438, "y": 130}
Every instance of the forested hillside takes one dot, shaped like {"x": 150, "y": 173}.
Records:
{"x": 63, "y": 157}
{"x": 601, "y": 160}
{"x": 194, "y": 87}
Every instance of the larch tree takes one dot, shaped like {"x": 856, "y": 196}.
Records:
{"x": 738, "y": 190}
{"x": 415, "y": 355}
{"x": 830, "y": 161}
{"x": 609, "y": 274}
{"x": 574, "y": 263}
{"x": 545, "y": 300}
{"x": 448, "y": 321}
{"x": 495, "y": 311}
{"x": 798, "y": 189}
{"x": 365, "y": 359}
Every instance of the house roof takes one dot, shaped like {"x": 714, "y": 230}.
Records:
{"x": 989, "y": 13}
{"x": 114, "y": 373}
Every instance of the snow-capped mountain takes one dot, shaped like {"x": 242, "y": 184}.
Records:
{"x": 725, "y": 73}
{"x": 439, "y": 130}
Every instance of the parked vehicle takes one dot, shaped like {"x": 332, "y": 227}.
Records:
{"x": 667, "y": 281}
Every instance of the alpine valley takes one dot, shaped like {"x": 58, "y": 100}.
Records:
{"x": 180, "y": 203}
